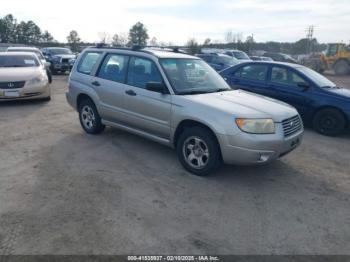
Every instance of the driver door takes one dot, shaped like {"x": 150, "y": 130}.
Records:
{"x": 146, "y": 110}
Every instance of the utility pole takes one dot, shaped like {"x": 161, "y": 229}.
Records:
{"x": 309, "y": 36}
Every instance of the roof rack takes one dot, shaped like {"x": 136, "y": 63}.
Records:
{"x": 140, "y": 48}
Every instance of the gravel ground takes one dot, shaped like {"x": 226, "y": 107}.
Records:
{"x": 65, "y": 192}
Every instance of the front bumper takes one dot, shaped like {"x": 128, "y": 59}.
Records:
{"x": 62, "y": 67}
{"x": 26, "y": 92}
{"x": 248, "y": 149}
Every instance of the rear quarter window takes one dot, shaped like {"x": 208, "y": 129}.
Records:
{"x": 88, "y": 62}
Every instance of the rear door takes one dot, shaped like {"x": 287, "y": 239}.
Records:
{"x": 109, "y": 84}
{"x": 147, "y": 110}
{"x": 251, "y": 77}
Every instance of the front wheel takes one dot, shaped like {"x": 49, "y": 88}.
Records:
{"x": 329, "y": 122}
{"x": 198, "y": 151}
{"x": 341, "y": 68}
{"x": 89, "y": 118}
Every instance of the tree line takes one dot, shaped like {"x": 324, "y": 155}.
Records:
{"x": 23, "y": 32}
{"x": 28, "y": 32}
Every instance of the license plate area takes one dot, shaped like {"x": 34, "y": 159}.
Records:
{"x": 11, "y": 93}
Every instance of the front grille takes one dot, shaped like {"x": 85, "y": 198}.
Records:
{"x": 65, "y": 60}
{"x": 291, "y": 125}
{"x": 11, "y": 85}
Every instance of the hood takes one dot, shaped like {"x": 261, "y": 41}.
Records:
{"x": 338, "y": 92}
{"x": 244, "y": 104}
{"x": 13, "y": 74}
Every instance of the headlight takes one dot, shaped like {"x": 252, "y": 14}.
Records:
{"x": 256, "y": 126}
{"x": 37, "y": 80}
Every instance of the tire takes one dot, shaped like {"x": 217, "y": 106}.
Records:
{"x": 89, "y": 118}
{"x": 329, "y": 122}
{"x": 341, "y": 68}
{"x": 202, "y": 145}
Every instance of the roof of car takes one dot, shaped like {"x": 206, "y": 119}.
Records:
{"x": 22, "y": 48}
{"x": 266, "y": 62}
{"x": 160, "y": 53}
{"x": 17, "y": 53}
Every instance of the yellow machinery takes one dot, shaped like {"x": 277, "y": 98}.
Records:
{"x": 336, "y": 58}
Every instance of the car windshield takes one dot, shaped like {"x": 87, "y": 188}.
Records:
{"x": 18, "y": 61}
{"x": 319, "y": 79}
{"x": 240, "y": 55}
{"x": 192, "y": 76}
{"x": 60, "y": 51}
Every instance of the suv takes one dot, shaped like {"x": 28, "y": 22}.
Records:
{"x": 180, "y": 101}
{"x": 219, "y": 61}
{"x": 60, "y": 58}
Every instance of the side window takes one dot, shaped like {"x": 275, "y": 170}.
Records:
{"x": 114, "y": 68}
{"x": 285, "y": 76}
{"x": 141, "y": 71}
{"x": 237, "y": 73}
{"x": 254, "y": 72}
{"x": 88, "y": 62}
{"x": 279, "y": 75}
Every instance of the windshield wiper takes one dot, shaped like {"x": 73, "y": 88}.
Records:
{"x": 220, "y": 90}
{"x": 192, "y": 92}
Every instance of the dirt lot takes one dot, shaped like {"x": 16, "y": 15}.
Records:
{"x": 65, "y": 192}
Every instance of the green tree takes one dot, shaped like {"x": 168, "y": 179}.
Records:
{"x": 8, "y": 26}
{"x": 207, "y": 41}
{"x": 138, "y": 35}
{"x": 192, "y": 46}
{"x": 46, "y": 37}
{"x": 74, "y": 40}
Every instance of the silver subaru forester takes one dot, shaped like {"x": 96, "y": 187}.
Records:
{"x": 179, "y": 101}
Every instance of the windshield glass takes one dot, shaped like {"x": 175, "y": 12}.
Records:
{"x": 240, "y": 55}
{"x": 60, "y": 51}
{"x": 319, "y": 79}
{"x": 192, "y": 76}
{"x": 18, "y": 61}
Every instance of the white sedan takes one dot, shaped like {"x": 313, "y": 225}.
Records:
{"x": 23, "y": 76}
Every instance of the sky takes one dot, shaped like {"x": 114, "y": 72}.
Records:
{"x": 176, "y": 21}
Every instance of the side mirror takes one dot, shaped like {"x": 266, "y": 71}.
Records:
{"x": 303, "y": 85}
{"x": 158, "y": 87}
{"x": 47, "y": 64}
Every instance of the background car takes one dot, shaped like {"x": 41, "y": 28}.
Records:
{"x": 39, "y": 55}
{"x": 22, "y": 76}
{"x": 59, "y": 57}
{"x": 219, "y": 61}
{"x": 280, "y": 57}
{"x": 318, "y": 100}
{"x": 261, "y": 58}
{"x": 240, "y": 55}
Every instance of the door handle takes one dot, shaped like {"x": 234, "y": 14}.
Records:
{"x": 96, "y": 83}
{"x": 130, "y": 92}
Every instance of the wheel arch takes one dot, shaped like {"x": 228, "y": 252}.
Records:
{"x": 188, "y": 123}
{"x": 330, "y": 107}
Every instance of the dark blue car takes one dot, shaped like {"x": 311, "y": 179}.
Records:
{"x": 318, "y": 100}
{"x": 219, "y": 61}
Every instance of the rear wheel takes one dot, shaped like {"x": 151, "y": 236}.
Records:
{"x": 329, "y": 122}
{"x": 89, "y": 118}
{"x": 198, "y": 151}
{"x": 341, "y": 67}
